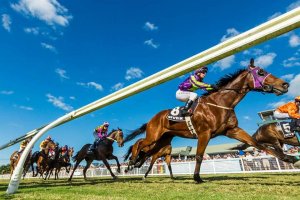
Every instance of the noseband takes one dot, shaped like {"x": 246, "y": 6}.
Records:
{"x": 259, "y": 76}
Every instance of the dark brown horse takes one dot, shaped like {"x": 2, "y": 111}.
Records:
{"x": 214, "y": 115}
{"x": 270, "y": 136}
{"x": 46, "y": 158}
{"x": 103, "y": 152}
{"x": 160, "y": 149}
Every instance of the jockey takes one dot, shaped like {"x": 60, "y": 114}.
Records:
{"x": 44, "y": 144}
{"x": 186, "y": 89}
{"x": 64, "y": 151}
{"x": 290, "y": 110}
{"x": 23, "y": 145}
{"x": 100, "y": 133}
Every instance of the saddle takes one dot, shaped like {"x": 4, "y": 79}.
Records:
{"x": 176, "y": 113}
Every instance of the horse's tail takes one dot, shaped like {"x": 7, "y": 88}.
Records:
{"x": 240, "y": 147}
{"x": 135, "y": 133}
{"x": 126, "y": 156}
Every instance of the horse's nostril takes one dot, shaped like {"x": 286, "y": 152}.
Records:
{"x": 285, "y": 85}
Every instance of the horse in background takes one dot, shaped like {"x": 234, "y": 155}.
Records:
{"x": 162, "y": 149}
{"x": 14, "y": 159}
{"x": 46, "y": 157}
{"x": 214, "y": 115}
{"x": 63, "y": 161}
{"x": 270, "y": 136}
{"x": 103, "y": 152}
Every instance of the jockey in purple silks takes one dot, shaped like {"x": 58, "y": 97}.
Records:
{"x": 100, "y": 133}
{"x": 186, "y": 89}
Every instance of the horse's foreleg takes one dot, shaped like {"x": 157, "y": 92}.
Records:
{"x": 203, "y": 140}
{"x": 108, "y": 167}
{"x": 136, "y": 149}
{"x": 116, "y": 159}
{"x": 153, "y": 159}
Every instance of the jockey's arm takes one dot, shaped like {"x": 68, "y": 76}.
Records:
{"x": 293, "y": 113}
{"x": 200, "y": 84}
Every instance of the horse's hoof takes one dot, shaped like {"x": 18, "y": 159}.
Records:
{"x": 197, "y": 179}
{"x": 118, "y": 170}
{"x": 126, "y": 170}
{"x": 144, "y": 178}
{"x": 115, "y": 178}
{"x": 297, "y": 164}
{"x": 173, "y": 178}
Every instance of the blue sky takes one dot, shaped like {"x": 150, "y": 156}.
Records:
{"x": 57, "y": 56}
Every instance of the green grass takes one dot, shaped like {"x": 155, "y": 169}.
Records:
{"x": 271, "y": 186}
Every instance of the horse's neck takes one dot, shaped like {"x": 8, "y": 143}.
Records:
{"x": 232, "y": 93}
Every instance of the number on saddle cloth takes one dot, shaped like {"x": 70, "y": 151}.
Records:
{"x": 176, "y": 113}
{"x": 285, "y": 127}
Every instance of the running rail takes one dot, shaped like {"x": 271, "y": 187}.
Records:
{"x": 266, "y": 31}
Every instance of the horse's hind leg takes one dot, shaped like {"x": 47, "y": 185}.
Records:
{"x": 88, "y": 164}
{"x": 168, "y": 161}
{"x": 75, "y": 167}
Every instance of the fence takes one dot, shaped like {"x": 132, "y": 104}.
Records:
{"x": 260, "y": 164}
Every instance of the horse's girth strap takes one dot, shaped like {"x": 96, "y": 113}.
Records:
{"x": 190, "y": 125}
{"x": 226, "y": 108}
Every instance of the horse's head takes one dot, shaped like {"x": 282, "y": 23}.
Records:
{"x": 266, "y": 82}
{"x": 51, "y": 145}
{"x": 118, "y": 136}
{"x": 70, "y": 152}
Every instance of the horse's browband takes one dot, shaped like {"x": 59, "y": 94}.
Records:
{"x": 219, "y": 106}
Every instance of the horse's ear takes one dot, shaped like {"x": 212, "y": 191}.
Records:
{"x": 252, "y": 62}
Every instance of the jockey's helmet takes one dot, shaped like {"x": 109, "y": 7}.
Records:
{"x": 203, "y": 69}
{"x": 106, "y": 124}
{"x": 297, "y": 99}
{"x": 48, "y": 138}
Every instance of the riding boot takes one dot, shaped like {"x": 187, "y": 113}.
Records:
{"x": 185, "y": 110}
{"x": 295, "y": 125}
{"x": 93, "y": 147}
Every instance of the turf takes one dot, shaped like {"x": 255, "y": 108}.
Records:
{"x": 271, "y": 186}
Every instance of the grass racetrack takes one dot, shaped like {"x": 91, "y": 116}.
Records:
{"x": 271, "y": 186}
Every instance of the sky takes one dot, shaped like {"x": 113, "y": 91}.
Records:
{"x": 57, "y": 56}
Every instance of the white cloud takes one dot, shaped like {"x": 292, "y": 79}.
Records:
{"x": 95, "y": 85}
{"x": 49, "y": 11}
{"x": 61, "y": 73}
{"x": 247, "y": 118}
{"x": 276, "y": 104}
{"x": 25, "y": 108}
{"x": 265, "y": 60}
{"x": 225, "y": 62}
{"x": 274, "y": 15}
{"x": 32, "y": 30}
{"x": 48, "y": 46}
{"x": 72, "y": 97}
{"x": 294, "y": 40}
{"x": 231, "y": 32}
{"x": 291, "y": 62}
{"x": 294, "y": 86}
{"x": 59, "y": 102}
{"x": 117, "y": 86}
{"x": 151, "y": 43}
{"x": 133, "y": 72}
{"x": 293, "y": 5}
{"x": 149, "y": 26}
{"x": 253, "y": 52}
{"x": 6, "y": 22}
{"x": 6, "y": 92}
{"x": 287, "y": 77}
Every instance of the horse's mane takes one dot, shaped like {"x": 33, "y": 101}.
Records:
{"x": 225, "y": 80}
{"x": 113, "y": 130}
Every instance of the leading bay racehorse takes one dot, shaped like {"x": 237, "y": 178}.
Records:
{"x": 214, "y": 115}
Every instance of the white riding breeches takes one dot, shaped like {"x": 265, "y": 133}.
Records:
{"x": 280, "y": 115}
{"x": 185, "y": 95}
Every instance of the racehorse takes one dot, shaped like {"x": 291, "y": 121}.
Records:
{"x": 14, "y": 159}
{"x": 214, "y": 115}
{"x": 164, "y": 149}
{"x": 271, "y": 136}
{"x": 63, "y": 161}
{"x": 103, "y": 152}
{"x": 46, "y": 158}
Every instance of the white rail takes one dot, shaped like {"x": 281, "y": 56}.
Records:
{"x": 263, "y": 32}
